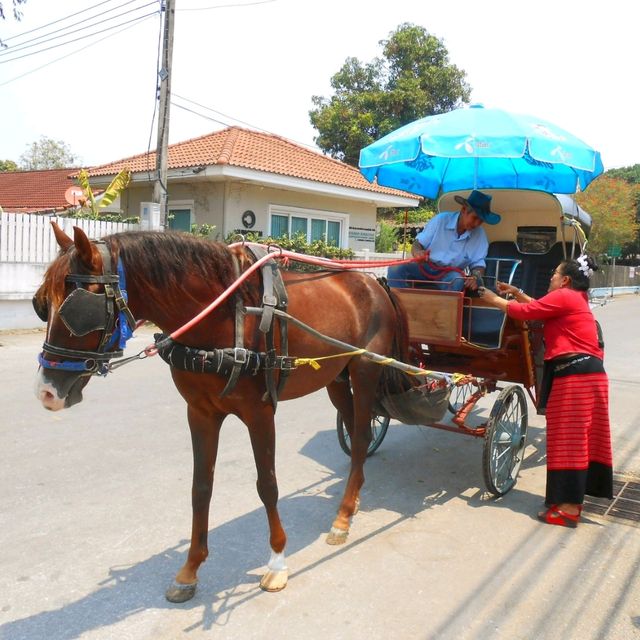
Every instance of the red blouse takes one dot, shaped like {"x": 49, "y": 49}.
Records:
{"x": 569, "y": 325}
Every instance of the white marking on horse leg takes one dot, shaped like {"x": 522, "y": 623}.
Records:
{"x": 277, "y": 576}
{"x": 277, "y": 562}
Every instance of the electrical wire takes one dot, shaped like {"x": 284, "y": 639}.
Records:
{"x": 224, "y": 115}
{"x": 24, "y": 33}
{"x": 22, "y": 75}
{"x": 84, "y": 37}
{"x": 228, "y": 124}
{"x": 36, "y": 42}
{"x": 157, "y": 96}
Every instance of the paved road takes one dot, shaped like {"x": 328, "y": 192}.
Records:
{"x": 96, "y": 514}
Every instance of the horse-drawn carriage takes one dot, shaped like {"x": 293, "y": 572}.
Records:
{"x": 475, "y": 348}
{"x": 94, "y": 292}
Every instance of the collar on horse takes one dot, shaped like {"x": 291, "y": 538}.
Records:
{"x": 84, "y": 312}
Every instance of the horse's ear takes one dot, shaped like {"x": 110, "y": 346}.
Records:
{"x": 63, "y": 240}
{"x": 83, "y": 247}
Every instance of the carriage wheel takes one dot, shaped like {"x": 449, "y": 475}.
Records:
{"x": 459, "y": 395}
{"x": 504, "y": 440}
{"x": 379, "y": 426}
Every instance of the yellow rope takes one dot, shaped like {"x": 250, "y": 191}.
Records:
{"x": 314, "y": 364}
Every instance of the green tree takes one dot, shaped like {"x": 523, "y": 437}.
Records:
{"x": 47, "y": 154}
{"x": 413, "y": 79}
{"x": 8, "y": 165}
{"x": 612, "y": 205}
{"x": 17, "y": 14}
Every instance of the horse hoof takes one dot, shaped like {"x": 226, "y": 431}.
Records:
{"x": 337, "y": 536}
{"x": 180, "y": 592}
{"x": 274, "y": 581}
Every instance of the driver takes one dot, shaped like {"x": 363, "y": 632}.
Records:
{"x": 451, "y": 242}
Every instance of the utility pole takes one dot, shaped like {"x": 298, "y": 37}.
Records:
{"x": 160, "y": 194}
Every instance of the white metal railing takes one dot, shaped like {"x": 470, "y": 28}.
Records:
{"x": 28, "y": 238}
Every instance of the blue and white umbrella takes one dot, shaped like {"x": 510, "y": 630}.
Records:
{"x": 478, "y": 148}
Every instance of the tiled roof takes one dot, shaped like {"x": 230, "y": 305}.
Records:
{"x": 30, "y": 191}
{"x": 243, "y": 148}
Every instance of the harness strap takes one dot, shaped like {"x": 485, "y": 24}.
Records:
{"x": 219, "y": 361}
{"x": 274, "y": 296}
{"x": 239, "y": 360}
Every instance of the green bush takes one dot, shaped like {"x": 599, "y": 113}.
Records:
{"x": 297, "y": 243}
{"x": 386, "y": 237}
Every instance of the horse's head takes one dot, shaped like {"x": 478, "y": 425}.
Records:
{"x": 86, "y": 314}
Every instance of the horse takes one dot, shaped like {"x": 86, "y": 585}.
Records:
{"x": 167, "y": 278}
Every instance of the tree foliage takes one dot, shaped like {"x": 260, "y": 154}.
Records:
{"x": 8, "y": 165}
{"x": 47, "y": 154}
{"x": 17, "y": 14}
{"x": 612, "y": 204}
{"x": 413, "y": 79}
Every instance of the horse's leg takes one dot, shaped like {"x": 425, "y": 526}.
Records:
{"x": 263, "y": 441}
{"x": 205, "y": 433}
{"x": 342, "y": 399}
{"x": 364, "y": 380}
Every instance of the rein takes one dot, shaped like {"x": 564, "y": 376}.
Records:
{"x": 110, "y": 313}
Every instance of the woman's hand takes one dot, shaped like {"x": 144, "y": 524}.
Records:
{"x": 505, "y": 288}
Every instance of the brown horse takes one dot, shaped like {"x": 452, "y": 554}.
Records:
{"x": 170, "y": 278}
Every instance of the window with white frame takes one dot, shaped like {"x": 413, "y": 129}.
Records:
{"x": 314, "y": 225}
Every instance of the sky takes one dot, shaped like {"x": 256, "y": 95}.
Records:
{"x": 257, "y": 64}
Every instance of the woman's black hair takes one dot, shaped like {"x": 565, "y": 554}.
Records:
{"x": 576, "y": 271}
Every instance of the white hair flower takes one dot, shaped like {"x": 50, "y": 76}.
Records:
{"x": 584, "y": 265}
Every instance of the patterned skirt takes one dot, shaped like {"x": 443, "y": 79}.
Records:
{"x": 579, "y": 457}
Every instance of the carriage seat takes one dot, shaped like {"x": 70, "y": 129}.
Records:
{"x": 534, "y": 272}
{"x": 483, "y": 326}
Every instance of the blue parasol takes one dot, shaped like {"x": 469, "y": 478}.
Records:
{"x": 478, "y": 148}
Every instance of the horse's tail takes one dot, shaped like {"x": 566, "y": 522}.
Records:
{"x": 393, "y": 380}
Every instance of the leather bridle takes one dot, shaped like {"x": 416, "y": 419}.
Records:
{"x": 84, "y": 312}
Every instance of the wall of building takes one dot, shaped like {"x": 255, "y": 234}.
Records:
{"x": 242, "y": 197}
{"x": 223, "y": 204}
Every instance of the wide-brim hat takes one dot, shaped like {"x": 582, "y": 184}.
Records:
{"x": 481, "y": 204}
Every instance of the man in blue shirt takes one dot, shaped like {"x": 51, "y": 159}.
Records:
{"x": 451, "y": 242}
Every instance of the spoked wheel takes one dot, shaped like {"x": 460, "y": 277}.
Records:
{"x": 459, "y": 396}
{"x": 504, "y": 440}
{"x": 379, "y": 426}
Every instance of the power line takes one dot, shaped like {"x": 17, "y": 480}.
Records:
{"x": 84, "y": 37}
{"x": 224, "y": 115}
{"x": 37, "y": 41}
{"x": 24, "y": 33}
{"x": 2, "y": 84}
{"x": 228, "y": 124}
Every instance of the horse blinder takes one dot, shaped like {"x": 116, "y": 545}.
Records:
{"x": 41, "y": 309}
{"x": 83, "y": 312}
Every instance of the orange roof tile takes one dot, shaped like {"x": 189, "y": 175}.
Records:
{"x": 238, "y": 147}
{"x": 30, "y": 191}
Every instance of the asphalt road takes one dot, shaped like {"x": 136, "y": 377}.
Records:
{"x": 95, "y": 513}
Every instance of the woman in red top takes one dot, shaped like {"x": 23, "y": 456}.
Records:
{"x": 575, "y": 389}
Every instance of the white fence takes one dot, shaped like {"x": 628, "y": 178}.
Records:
{"x": 27, "y": 246}
{"x": 378, "y": 272}
{"x": 28, "y": 238}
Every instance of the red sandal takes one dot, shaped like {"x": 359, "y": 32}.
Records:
{"x": 553, "y": 515}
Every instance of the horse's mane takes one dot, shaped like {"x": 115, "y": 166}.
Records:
{"x": 160, "y": 261}
{"x": 164, "y": 260}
